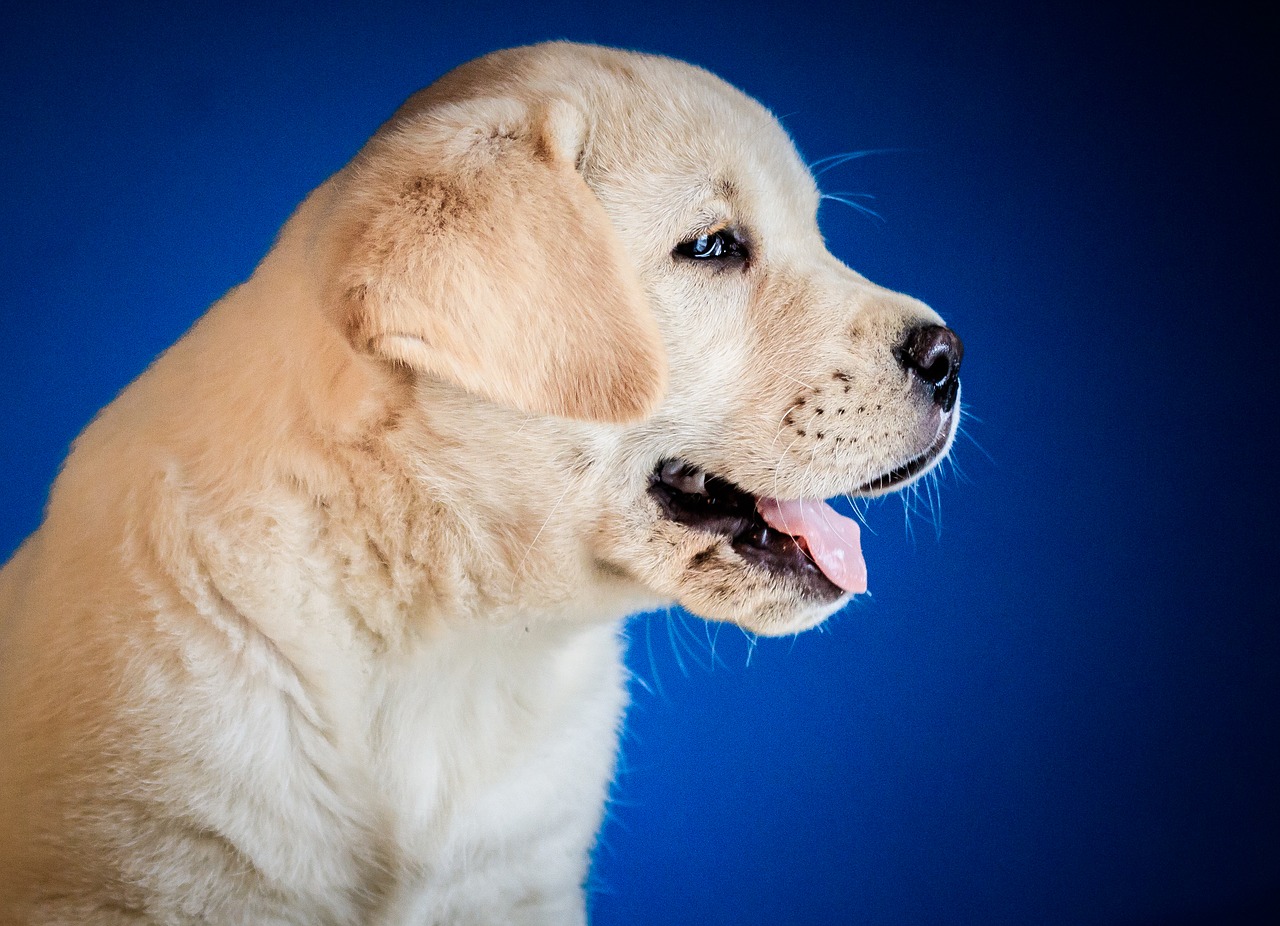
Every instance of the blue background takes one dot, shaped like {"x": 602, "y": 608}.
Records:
{"x": 1060, "y": 709}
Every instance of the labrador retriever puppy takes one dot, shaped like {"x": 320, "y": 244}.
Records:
{"x": 322, "y": 624}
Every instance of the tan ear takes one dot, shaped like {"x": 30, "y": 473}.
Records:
{"x": 476, "y": 253}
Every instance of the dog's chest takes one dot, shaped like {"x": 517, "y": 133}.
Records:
{"x": 489, "y": 758}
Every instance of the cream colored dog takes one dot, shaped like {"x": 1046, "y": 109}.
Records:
{"x": 322, "y": 625}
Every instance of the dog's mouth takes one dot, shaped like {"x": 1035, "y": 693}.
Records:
{"x": 803, "y": 540}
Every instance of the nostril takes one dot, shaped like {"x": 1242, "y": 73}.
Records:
{"x": 937, "y": 370}
{"x": 933, "y": 353}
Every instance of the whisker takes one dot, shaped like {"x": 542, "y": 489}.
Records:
{"x": 859, "y": 511}
{"x": 752, "y": 640}
{"x": 854, "y": 204}
{"x": 954, "y": 465}
{"x": 781, "y": 422}
{"x": 788, "y": 376}
{"x": 713, "y": 639}
{"x": 831, "y": 161}
{"x": 776, "y": 474}
{"x": 653, "y": 663}
{"x": 534, "y": 541}
{"x": 675, "y": 647}
{"x": 639, "y": 680}
{"x": 964, "y": 432}
{"x": 908, "y": 497}
{"x": 935, "y": 503}
{"x": 691, "y": 641}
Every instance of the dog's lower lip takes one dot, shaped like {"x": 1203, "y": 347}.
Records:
{"x": 913, "y": 467}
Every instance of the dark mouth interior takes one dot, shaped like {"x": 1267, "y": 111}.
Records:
{"x": 705, "y": 502}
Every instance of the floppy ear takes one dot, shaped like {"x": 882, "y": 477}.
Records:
{"x": 476, "y": 253}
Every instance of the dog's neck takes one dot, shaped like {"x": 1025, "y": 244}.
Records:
{"x": 399, "y": 510}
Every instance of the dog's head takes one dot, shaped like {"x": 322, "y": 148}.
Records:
{"x": 609, "y": 266}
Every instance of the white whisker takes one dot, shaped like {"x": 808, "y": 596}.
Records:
{"x": 832, "y": 161}
{"x": 675, "y": 647}
{"x": 965, "y": 433}
{"x": 782, "y": 421}
{"x": 534, "y": 541}
{"x": 854, "y": 204}
{"x": 653, "y": 663}
{"x": 789, "y": 376}
{"x": 752, "y": 639}
{"x": 713, "y": 639}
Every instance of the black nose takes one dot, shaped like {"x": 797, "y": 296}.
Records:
{"x": 932, "y": 353}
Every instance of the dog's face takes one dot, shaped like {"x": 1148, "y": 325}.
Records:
{"x": 723, "y": 372}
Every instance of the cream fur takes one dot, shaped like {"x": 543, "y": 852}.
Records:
{"x": 321, "y": 626}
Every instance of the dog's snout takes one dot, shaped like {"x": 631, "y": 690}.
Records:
{"x": 932, "y": 354}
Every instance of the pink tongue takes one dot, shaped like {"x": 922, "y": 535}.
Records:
{"x": 832, "y": 538}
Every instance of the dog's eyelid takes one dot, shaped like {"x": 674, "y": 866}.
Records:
{"x": 707, "y": 223}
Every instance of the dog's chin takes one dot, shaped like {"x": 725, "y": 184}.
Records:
{"x": 757, "y": 608}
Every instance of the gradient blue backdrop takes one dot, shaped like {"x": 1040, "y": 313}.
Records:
{"x": 1062, "y": 708}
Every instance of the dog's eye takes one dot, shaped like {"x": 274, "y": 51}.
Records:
{"x": 719, "y": 245}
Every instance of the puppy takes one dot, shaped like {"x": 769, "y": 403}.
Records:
{"x": 322, "y": 624}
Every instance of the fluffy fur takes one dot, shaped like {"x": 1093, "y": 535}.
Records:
{"x": 321, "y": 626}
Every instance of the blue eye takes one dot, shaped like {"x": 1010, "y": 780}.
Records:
{"x": 717, "y": 245}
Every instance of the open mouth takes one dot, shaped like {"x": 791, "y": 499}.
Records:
{"x": 803, "y": 540}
